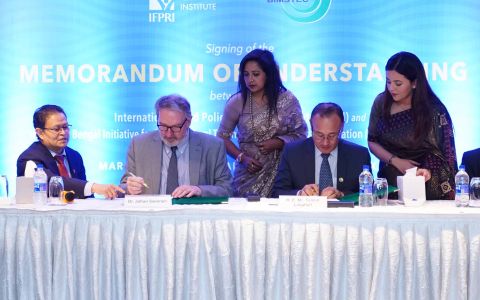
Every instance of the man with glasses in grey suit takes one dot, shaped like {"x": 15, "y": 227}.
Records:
{"x": 176, "y": 160}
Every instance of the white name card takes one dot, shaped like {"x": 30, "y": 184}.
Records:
{"x": 302, "y": 201}
{"x": 237, "y": 201}
{"x": 148, "y": 201}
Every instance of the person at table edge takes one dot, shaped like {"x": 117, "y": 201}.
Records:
{"x": 51, "y": 150}
{"x": 471, "y": 161}
{"x": 202, "y": 168}
{"x": 300, "y": 164}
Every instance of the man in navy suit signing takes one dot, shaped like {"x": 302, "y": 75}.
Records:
{"x": 471, "y": 161}
{"x": 53, "y": 133}
{"x": 323, "y": 164}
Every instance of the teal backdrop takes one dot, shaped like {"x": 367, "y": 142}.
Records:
{"x": 106, "y": 63}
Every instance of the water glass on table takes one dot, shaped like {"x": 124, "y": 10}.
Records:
{"x": 474, "y": 192}
{"x": 55, "y": 189}
{"x": 380, "y": 191}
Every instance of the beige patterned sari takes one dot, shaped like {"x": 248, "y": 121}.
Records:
{"x": 254, "y": 125}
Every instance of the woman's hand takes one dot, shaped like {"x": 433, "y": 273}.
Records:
{"x": 252, "y": 165}
{"x": 270, "y": 145}
{"x": 425, "y": 173}
{"x": 403, "y": 164}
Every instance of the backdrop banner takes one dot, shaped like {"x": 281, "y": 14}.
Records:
{"x": 107, "y": 62}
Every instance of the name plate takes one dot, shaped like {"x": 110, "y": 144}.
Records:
{"x": 24, "y": 191}
{"x": 147, "y": 201}
{"x": 237, "y": 201}
{"x": 302, "y": 201}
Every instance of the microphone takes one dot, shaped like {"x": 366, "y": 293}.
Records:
{"x": 67, "y": 196}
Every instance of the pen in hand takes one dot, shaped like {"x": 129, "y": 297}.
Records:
{"x": 143, "y": 183}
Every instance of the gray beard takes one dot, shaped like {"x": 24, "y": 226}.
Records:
{"x": 169, "y": 144}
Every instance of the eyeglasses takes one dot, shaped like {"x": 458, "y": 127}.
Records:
{"x": 174, "y": 128}
{"x": 59, "y": 128}
{"x": 329, "y": 137}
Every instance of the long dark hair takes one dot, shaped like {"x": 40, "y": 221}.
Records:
{"x": 273, "y": 83}
{"x": 423, "y": 97}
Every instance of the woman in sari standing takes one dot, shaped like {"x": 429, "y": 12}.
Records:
{"x": 410, "y": 127}
{"x": 266, "y": 116}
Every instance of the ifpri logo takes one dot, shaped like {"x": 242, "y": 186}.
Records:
{"x": 308, "y": 11}
{"x": 161, "y": 11}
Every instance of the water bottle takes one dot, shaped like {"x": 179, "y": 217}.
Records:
{"x": 462, "y": 185}
{"x": 365, "y": 180}
{"x": 40, "y": 186}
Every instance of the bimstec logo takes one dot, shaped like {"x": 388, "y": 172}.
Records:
{"x": 161, "y": 11}
{"x": 305, "y": 11}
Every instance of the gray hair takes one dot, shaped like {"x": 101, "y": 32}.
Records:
{"x": 174, "y": 102}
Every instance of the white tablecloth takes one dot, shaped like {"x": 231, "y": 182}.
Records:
{"x": 96, "y": 249}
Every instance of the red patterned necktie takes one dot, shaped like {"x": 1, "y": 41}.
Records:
{"x": 62, "y": 169}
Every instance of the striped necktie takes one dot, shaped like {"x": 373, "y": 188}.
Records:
{"x": 172, "y": 175}
{"x": 325, "y": 178}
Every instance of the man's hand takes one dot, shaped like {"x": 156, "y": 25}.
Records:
{"x": 331, "y": 193}
{"x": 309, "y": 190}
{"x": 184, "y": 191}
{"x": 109, "y": 191}
{"x": 135, "y": 185}
{"x": 313, "y": 190}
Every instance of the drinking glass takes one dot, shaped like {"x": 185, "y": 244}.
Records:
{"x": 474, "y": 192}
{"x": 55, "y": 188}
{"x": 380, "y": 191}
{"x": 3, "y": 188}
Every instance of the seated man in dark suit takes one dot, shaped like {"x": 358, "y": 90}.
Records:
{"x": 323, "y": 164}
{"x": 471, "y": 161}
{"x": 53, "y": 133}
{"x": 176, "y": 160}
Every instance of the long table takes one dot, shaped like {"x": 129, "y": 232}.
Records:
{"x": 98, "y": 249}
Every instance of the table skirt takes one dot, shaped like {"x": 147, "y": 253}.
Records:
{"x": 204, "y": 254}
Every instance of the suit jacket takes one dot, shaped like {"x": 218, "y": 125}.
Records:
{"x": 297, "y": 167}
{"x": 471, "y": 161}
{"x": 40, "y": 154}
{"x": 208, "y": 167}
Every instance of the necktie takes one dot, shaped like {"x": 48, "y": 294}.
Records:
{"x": 172, "y": 175}
{"x": 325, "y": 178}
{"x": 62, "y": 169}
